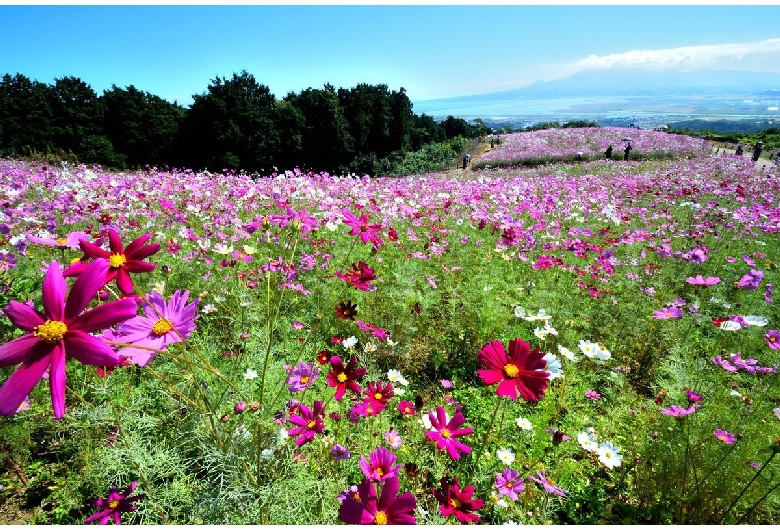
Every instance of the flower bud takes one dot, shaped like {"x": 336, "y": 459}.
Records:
{"x": 225, "y": 418}
{"x": 240, "y": 407}
{"x": 254, "y": 406}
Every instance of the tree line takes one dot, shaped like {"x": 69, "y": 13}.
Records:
{"x": 237, "y": 123}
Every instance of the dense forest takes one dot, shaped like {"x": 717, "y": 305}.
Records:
{"x": 237, "y": 123}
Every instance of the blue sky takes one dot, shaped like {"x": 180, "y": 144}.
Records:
{"x": 432, "y": 51}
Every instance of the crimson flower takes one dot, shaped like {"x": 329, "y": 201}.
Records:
{"x": 115, "y": 505}
{"x": 444, "y": 432}
{"x": 364, "y": 507}
{"x": 346, "y": 310}
{"x": 379, "y": 394}
{"x": 309, "y": 422}
{"x": 457, "y": 502}
{"x": 344, "y": 378}
{"x": 360, "y": 276}
{"x": 522, "y": 371}
{"x": 122, "y": 260}
{"x": 61, "y": 330}
{"x": 360, "y": 226}
{"x": 406, "y": 408}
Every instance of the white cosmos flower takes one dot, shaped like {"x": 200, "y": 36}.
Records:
{"x": 730, "y": 325}
{"x": 506, "y": 456}
{"x": 587, "y": 348}
{"x": 267, "y": 454}
{"x": 519, "y": 311}
{"x": 601, "y": 353}
{"x": 524, "y": 424}
{"x": 369, "y": 347}
{"x": 250, "y": 374}
{"x": 350, "y": 342}
{"x": 221, "y": 248}
{"x": 609, "y": 455}
{"x": 396, "y": 377}
{"x": 755, "y": 320}
{"x": 566, "y": 352}
{"x": 553, "y": 366}
{"x": 588, "y": 441}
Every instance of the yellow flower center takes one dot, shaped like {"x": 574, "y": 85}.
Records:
{"x": 445, "y": 433}
{"x": 116, "y": 260}
{"x": 407, "y": 410}
{"x": 378, "y": 395}
{"x": 722, "y": 437}
{"x": 61, "y": 240}
{"x": 510, "y": 485}
{"x": 380, "y": 471}
{"x": 455, "y": 503}
{"x": 304, "y": 379}
{"x": 341, "y": 377}
{"x": 311, "y": 424}
{"x": 356, "y": 496}
{"x": 162, "y": 326}
{"x": 369, "y": 410}
{"x": 50, "y": 331}
{"x": 510, "y": 370}
{"x": 380, "y": 518}
{"x": 113, "y": 504}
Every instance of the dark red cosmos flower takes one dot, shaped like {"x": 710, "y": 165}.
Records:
{"x": 379, "y": 394}
{"x": 323, "y": 357}
{"x": 360, "y": 276}
{"x": 364, "y": 507}
{"x": 522, "y": 371}
{"x": 346, "y": 310}
{"x": 344, "y": 378}
{"x": 122, "y": 260}
{"x": 457, "y": 502}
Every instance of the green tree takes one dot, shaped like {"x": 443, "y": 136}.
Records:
{"x": 77, "y": 113}
{"x": 25, "y": 115}
{"x": 141, "y": 126}
{"x": 231, "y": 125}
{"x": 425, "y": 130}
{"x": 327, "y": 143}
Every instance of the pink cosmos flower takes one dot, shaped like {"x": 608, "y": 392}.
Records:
{"x": 520, "y": 372}
{"x": 308, "y": 422}
{"x": 392, "y": 438}
{"x": 509, "y": 483}
{"x": 363, "y": 506}
{"x": 700, "y": 280}
{"x": 70, "y": 241}
{"x": 122, "y": 261}
{"x": 360, "y": 226}
{"x": 161, "y": 324}
{"x": 667, "y": 313}
{"x": 444, "y": 433}
{"x": 772, "y": 338}
{"x": 61, "y": 330}
{"x": 724, "y": 436}
{"x": 116, "y": 504}
{"x": 379, "y": 466}
{"x": 678, "y": 412}
{"x": 549, "y": 487}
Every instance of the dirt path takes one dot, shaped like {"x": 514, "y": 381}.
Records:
{"x": 762, "y": 162}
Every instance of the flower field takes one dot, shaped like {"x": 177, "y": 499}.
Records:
{"x": 555, "y": 145}
{"x": 565, "y": 344}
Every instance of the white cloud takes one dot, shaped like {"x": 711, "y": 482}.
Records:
{"x": 761, "y": 56}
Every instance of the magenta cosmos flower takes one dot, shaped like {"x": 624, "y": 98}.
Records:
{"x": 364, "y": 507}
{"x": 457, "y": 502}
{"x": 522, "y": 371}
{"x": 161, "y": 324}
{"x": 361, "y": 227}
{"x": 309, "y": 422}
{"x": 548, "y": 486}
{"x": 116, "y": 504}
{"x": 724, "y": 436}
{"x": 344, "y": 378}
{"x": 379, "y": 466}
{"x": 444, "y": 433}
{"x": 701, "y": 280}
{"x": 679, "y": 412}
{"x": 302, "y": 376}
{"x": 61, "y": 330}
{"x": 509, "y": 483}
{"x": 122, "y": 260}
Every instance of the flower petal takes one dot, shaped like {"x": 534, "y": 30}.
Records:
{"x": 87, "y": 349}
{"x": 136, "y": 244}
{"x": 25, "y": 348}
{"x": 18, "y": 386}
{"x": 115, "y": 242}
{"x": 105, "y": 315}
{"x": 57, "y": 380}
{"x": 54, "y": 289}
{"x": 87, "y": 285}
{"x": 23, "y": 316}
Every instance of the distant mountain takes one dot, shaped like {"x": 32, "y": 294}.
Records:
{"x": 636, "y": 82}
{"x": 607, "y": 93}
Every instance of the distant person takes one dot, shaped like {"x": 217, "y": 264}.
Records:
{"x": 579, "y": 155}
{"x": 466, "y": 160}
{"x": 498, "y": 140}
{"x": 608, "y": 152}
{"x": 757, "y": 152}
{"x": 491, "y": 142}
{"x": 627, "y": 150}
{"x": 739, "y": 150}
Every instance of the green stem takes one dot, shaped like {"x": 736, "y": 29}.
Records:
{"x": 484, "y": 441}
{"x": 734, "y": 502}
